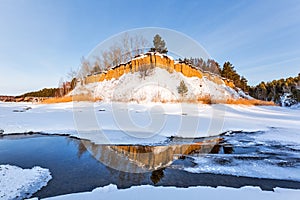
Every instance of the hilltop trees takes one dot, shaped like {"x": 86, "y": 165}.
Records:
{"x": 210, "y": 65}
{"x": 227, "y": 71}
{"x": 121, "y": 51}
{"x": 159, "y": 45}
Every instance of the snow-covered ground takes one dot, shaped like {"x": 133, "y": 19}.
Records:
{"x": 150, "y": 192}
{"x": 121, "y": 123}
{"x": 17, "y": 183}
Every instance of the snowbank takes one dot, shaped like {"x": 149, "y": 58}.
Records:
{"x": 150, "y": 192}
{"x": 17, "y": 183}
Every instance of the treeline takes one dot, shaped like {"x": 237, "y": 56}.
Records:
{"x": 46, "y": 92}
{"x": 63, "y": 89}
{"x": 277, "y": 89}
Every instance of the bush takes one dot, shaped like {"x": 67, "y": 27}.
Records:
{"x": 145, "y": 70}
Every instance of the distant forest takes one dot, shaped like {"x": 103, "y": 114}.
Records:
{"x": 276, "y": 89}
{"x": 46, "y": 92}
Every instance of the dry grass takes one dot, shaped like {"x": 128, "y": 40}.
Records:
{"x": 208, "y": 100}
{"x": 70, "y": 99}
{"x": 252, "y": 102}
{"x": 85, "y": 98}
{"x": 202, "y": 100}
{"x": 57, "y": 100}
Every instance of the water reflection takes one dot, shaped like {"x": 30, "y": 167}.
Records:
{"x": 143, "y": 158}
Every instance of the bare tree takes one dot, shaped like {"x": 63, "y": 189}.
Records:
{"x": 85, "y": 67}
{"x": 71, "y": 74}
{"x": 105, "y": 60}
{"x": 120, "y": 52}
{"x": 60, "y": 89}
{"x": 140, "y": 43}
{"x": 115, "y": 54}
{"x": 97, "y": 66}
{"x": 126, "y": 48}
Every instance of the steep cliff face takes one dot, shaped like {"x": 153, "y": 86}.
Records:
{"x": 155, "y": 60}
{"x": 127, "y": 82}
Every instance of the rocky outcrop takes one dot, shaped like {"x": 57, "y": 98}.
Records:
{"x": 155, "y": 60}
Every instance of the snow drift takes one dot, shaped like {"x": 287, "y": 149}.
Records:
{"x": 150, "y": 192}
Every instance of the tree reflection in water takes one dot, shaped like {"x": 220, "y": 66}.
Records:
{"x": 157, "y": 175}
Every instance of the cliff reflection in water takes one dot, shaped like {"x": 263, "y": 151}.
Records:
{"x": 140, "y": 158}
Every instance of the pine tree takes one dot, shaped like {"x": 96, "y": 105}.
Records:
{"x": 159, "y": 44}
{"x": 262, "y": 91}
{"x": 182, "y": 89}
{"x": 244, "y": 84}
{"x": 229, "y": 72}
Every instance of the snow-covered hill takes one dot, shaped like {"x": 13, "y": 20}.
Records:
{"x": 159, "y": 86}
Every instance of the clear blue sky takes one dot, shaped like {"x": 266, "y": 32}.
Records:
{"x": 40, "y": 40}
